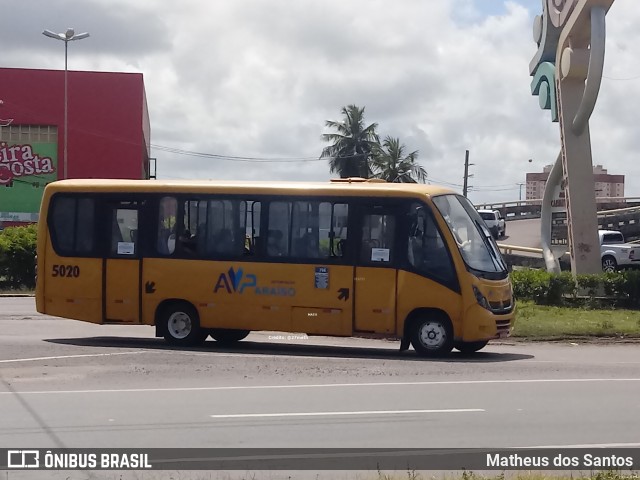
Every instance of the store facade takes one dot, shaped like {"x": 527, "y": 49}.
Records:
{"x": 108, "y": 133}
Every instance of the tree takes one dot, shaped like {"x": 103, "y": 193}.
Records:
{"x": 391, "y": 164}
{"x": 352, "y": 144}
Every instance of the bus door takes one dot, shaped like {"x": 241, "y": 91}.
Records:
{"x": 122, "y": 266}
{"x": 375, "y": 273}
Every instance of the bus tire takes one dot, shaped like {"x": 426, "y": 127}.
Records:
{"x": 470, "y": 347}
{"x": 432, "y": 335}
{"x": 181, "y": 325}
{"x": 226, "y": 336}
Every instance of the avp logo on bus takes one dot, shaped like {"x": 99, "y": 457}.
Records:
{"x": 236, "y": 281}
{"x": 232, "y": 281}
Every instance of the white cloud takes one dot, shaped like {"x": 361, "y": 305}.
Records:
{"x": 259, "y": 79}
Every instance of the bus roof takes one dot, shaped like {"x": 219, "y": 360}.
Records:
{"x": 346, "y": 187}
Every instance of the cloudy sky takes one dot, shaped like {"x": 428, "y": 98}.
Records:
{"x": 259, "y": 78}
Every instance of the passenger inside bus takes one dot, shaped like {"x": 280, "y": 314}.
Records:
{"x": 166, "y": 241}
{"x": 307, "y": 246}
{"x": 187, "y": 242}
{"x": 274, "y": 243}
{"x": 224, "y": 242}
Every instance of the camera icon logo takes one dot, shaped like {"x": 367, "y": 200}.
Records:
{"x": 23, "y": 459}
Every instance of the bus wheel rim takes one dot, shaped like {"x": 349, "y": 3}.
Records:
{"x": 433, "y": 334}
{"x": 179, "y": 325}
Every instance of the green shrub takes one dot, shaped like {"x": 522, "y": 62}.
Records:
{"x": 560, "y": 286}
{"x": 17, "y": 257}
{"x": 542, "y": 287}
{"x": 613, "y": 283}
{"x": 590, "y": 283}
{"x": 622, "y": 289}
{"x": 529, "y": 284}
{"x": 631, "y": 287}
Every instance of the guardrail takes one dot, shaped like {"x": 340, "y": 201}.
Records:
{"x": 538, "y": 202}
{"x": 608, "y": 207}
{"x": 509, "y": 249}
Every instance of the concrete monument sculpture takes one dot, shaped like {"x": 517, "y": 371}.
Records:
{"x": 567, "y": 72}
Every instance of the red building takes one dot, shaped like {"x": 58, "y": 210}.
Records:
{"x": 108, "y": 133}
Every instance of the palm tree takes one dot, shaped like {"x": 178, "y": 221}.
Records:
{"x": 352, "y": 144}
{"x": 391, "y": 164}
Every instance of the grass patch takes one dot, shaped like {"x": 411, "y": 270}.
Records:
{"x": 539, "y": 322}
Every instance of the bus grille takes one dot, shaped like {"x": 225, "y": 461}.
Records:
{"x": 502, "y": 307}
{"x": 503, "y": 326}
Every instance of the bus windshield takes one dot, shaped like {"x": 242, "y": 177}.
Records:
{"x": 474, "y": 240}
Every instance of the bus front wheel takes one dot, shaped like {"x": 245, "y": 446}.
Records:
{"x": 432, "y": 335}
{"x": 470, "y": 347}
{"x": 181, "y": 325}
{"x": 228, "y": 336}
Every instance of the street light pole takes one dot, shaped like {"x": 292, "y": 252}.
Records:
{"x": 68, "y": 36}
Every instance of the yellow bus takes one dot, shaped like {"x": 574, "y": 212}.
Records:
{"x": 344, "y": 258}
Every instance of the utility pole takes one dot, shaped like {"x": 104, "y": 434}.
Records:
{"x": 465, "y": 186}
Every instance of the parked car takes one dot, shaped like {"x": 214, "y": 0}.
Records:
{"x": 615, "y": 253}
{"x": 495, "y": 222}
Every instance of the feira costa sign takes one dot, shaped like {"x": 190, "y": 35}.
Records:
{"x": 22, "y": 161}
{"x": 25, "y": 169}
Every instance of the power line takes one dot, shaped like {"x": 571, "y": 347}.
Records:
{"x": 444, "y": 182}
{"x": 235, "y": 158}
{"x": 501, "y": 189}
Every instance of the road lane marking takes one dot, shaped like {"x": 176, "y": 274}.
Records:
{"x": 62, "y": 357}
{"x": 364, "y": 412}
{"x": 334, "y": 385}
{"x": 590, "y": 445}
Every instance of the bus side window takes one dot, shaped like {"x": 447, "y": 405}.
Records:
{"x": 279, "y": 229}
{"x": 377, "y": 238}
{"x": 167, "y": 213}
{"x": 338, "y": 230}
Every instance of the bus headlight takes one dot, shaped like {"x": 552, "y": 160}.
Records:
{"x": 480, "y": 298}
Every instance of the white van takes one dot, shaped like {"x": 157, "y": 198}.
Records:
{"x": 495, "y": 222}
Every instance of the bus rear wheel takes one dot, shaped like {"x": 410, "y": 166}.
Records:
{"x": 181, "y": 325}
{"x": 470, "y": 347}
{"x": 432, "y": 335}
{"x": 228, "y": 336}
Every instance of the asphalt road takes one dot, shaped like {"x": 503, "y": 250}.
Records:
{"x": 65, "y": 383}
{"x": 523, "y": 233}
